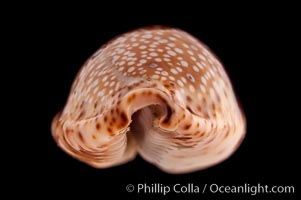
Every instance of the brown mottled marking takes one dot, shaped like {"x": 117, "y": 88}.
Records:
{"x": 189, "y": 109}
{"x": 199, "y": 108}
{"x": 213, "y": 106}
{"x": 219, "y": 109}
{"x": 183, "y": 138}
{"x": 227, "y": 134}
{"x": 168, "y": 116}
{"x": 81, "y": 137}
{"x": 102, "y": 146}
{"x": 218, "y": 99}
{"x": 187, "y": 126}
{"x": 98, "y": 126}
{"x": 204, "y": 100}
{"x": 188, "y": 98}
{"x": 110, "y": 131}
{"x": 82, "y": 104}
{"x": 131, "y": 98}
{"x": 94, "y": 137}
{"x": 124, "y": 117}
{"x": 81, "y": 114}
{"x": 105, "y": 118}
{"x": 220, "y": 151}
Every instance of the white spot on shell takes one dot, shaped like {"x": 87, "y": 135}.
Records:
{"x": 155, "y": 76}
{"x": 200, "y": 65}
{"x": 179, "y": 69}
{"x": 104, "y": 78}
{"x": 131, "y": 63}
{"x": 190, "y": 52}
{"x": 183, "y": 79}
{"x": 153, "y": 65}
{"x": 193, "y": 58}
{"x": 184, "y": 63}
{"x": 191, "y": 88}
{"x": 180, "y": 83}
{"x": 142, "y": 61}
{"x": 132, "y": 54}
{"x": 171, "y": 78}
{"x": 173, "y": 71}
{"x": 158, "y": 59}
{"x": 202, "y": 57}
{"x": 153, "y": 54}
{"x": 204, "y": 81}
{"x": 131, "y": 69}
{"x": 178, "y": 50}
{"x": 195, "y": 68}
{"x": 203, "y": 89}
{"x": 186, "y": 46}
{"x": 142, "y": 71}
{"x": 120, "y": 69}
{"x": 171, "y": 44}
{"x": 164, "y": 73}
{"x": 163, "y": 41}
{"x": 122, "y": 62}
{"x": 112, "y": 84}
{"x": 172, "y": 53}
{"x": 147, "y": 36}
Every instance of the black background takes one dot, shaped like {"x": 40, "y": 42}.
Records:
{"x": 256, "y": 46}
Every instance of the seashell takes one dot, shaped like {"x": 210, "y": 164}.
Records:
{"x": 154, "y": 91}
